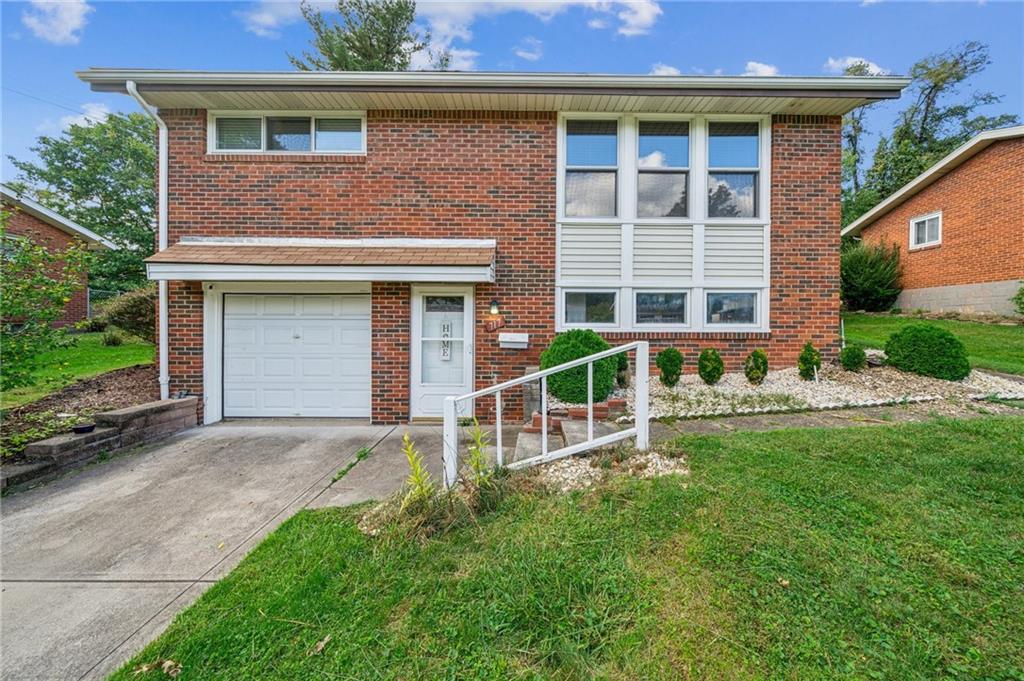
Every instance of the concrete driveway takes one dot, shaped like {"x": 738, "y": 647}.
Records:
{"x": 96, "y": 564}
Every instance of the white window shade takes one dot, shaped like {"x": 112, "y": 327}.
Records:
{"x": 239, "y": 134}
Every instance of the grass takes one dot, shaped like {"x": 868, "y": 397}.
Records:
{"x": 989, "y": 346}
{"x": 87, "y": 357}
{"x": 890, "y": 552}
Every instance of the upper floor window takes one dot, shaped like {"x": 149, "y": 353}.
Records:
{"x": 663, "y": 161}
{"x": 302, "y": 134}
{"x": 591, "y": 168}
{"x": 733, "y": 164}
{"x": 926, "y": 230}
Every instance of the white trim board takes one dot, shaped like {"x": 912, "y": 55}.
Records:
{"x": 255, "y": 273}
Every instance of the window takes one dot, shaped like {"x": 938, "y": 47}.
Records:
{"x": 663, "y": 158}
{"x": 288, "y": 133}
{"x": 591, "y": 168}
{"x": 660, "y": 307}
{"x": 732, "y": 307}
{"x": 590, "y": 307}
{"x": 926, "y": 230}
{"x": 733, "y": 162}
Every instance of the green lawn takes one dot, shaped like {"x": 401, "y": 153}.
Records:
{"x": 891, "y": 552}
{"x": 989, "y": 346}
{"x": 87, "y": 357}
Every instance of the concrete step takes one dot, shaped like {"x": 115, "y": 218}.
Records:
{"x": 536, "y": 424}
{"x": 528, "y": 445}
{"x": 575, "y": 431}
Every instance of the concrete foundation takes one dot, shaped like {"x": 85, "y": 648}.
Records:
{"x": 990, "y": 297}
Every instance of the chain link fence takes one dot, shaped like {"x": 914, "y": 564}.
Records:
{"x": 98, "y": 297}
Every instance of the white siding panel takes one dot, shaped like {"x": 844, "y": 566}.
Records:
{"x": 733, "y": 252}
{"x": 662, "y": 252}
{"x": 591, "y": 252}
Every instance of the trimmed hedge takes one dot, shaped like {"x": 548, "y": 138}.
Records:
{"x": 670, "y": 364}
{"x": 853, "y": 358}
{"x": 755, "y": 367}
{"x": 710, "y": 366}
{"x": 928, "y": 350}
{"x": 571, "y": 385}
{"x": 809, "y": 362}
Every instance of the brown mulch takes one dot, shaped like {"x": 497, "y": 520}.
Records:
{"x": 112, "y": 390}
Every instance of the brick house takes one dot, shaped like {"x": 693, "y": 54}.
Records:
{"x": 365, "y": 244}
{"x": 40, "y": 225}
{"x": 959, "y": 227}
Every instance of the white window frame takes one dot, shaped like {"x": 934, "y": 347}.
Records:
{"x": 687, "y": 308}
{"x": 760, "y": 305}
{"x": 563, "y": 168}
{"x": 313, "y": 115}
{"x": 561, "y": 308}
{"x": 924, "y": 218}
{"x": 762, "y": 170}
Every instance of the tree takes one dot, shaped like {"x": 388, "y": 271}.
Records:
{"x": 374, "y": 35}
{"x": 102, "y": 176}
{"x": 35, "y": 285}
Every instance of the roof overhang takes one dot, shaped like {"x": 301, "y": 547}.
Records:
{"x": 954, "y": 160}
{"x": 93, "y": 240}
{"x": 284, "y": 259}
{"x": 406, "y": 90}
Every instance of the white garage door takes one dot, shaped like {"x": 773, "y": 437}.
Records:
{"x": 296, "y": 355}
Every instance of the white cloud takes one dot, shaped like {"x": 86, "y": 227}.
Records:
{"x": 842, "y": 63}
{"x": 597, "y": 23}
{"x": 867, "y": 3}
{"x": 530, "y": 49}
{"x": 60, "y": 23}
{"x": 756, "y": 68}
{"x": 655, "y": 159}
{"x": 92, "y": 112}
{"x": 659, "y": 69}
{"x": 638, "y": 17}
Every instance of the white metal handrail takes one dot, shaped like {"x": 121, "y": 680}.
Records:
{"x": 640, "y": 429}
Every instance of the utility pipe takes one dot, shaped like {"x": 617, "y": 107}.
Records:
{"x": 161, "y": 216}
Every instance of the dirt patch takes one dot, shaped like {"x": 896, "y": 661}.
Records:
{"x": 58, "y": 412}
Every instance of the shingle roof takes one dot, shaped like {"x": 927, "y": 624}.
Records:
{"x": 258, "y": 254}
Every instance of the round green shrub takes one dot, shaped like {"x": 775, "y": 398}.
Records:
{"x": 869, "y": 277}
{"x": 112, "y": 338}
{"x": 928, "y": 350}
{"x": 571, "y": 385}
{"x": 755, "y": 367}
{"x": 710, "y": 366}
{"x": 622, "y": 361}
{"x": 133, "y": 312}
{"x": 809, "y": 362}
{"x": 852, "y": 358}
{"x": 670, "y": 364}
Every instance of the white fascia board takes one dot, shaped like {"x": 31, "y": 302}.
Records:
{"x": 196, "y": 272}
{"x": 379, "y": 242}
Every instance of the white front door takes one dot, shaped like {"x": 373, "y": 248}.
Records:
{"x": 442, "y": 348}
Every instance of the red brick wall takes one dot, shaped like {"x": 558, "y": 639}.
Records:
{"x": 982, "y": 204}
{"x": 485, "y": 175}
{"x": 39, "y": 232}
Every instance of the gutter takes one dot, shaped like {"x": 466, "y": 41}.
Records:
{"x": 165, "y": 375}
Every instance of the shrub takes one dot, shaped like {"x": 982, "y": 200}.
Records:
{"x": 622, "y": 361}
{"x": 134, "y": 313}
{"x": 755, "y": 367}
{"x": 1018, "y": 300}
{"x": 895, "y": 310}
{"x": 571, "y": 385}
{"x": 809, "y": 362}
{"x": 670, "y": 363}
{"x": 710, "y": 366}
{"x": 852, "y": 358}
{"x": 869, "y": 277}
{"x": 112, "y": 338}
{"x": 419, "y": 487}
{"x": 928, "y": 350}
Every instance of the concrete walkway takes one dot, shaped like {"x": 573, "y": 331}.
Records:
{"x": 96, "y": 564}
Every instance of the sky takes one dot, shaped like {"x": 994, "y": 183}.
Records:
{"x": 45, "y": 42}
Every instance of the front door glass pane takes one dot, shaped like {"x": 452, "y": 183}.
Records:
{"x": 442, "y": 338}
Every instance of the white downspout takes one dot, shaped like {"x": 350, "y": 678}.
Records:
{"x": 165, "y": 374}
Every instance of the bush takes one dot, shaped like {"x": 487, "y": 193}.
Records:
{"x": 928, "y": 350}
{"x": 710, "y": 366}
{"x": 755, "y": 367}
{"x": 571, "y": 385}
{"x": 134, "y": 313}
{"x": 809, "y": 362}
{"x": 869, "y": 277}
{"x": 1018, "y": 300}
{"x": 112, "y": 338}
{"x": 622, "y": 361}
{"x": 670, "y": 363}
{"x": 852, "y": 358}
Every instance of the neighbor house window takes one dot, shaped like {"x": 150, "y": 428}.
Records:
{"x": 733, "y": 163}
{"x": 926, "y": 230}
{"x": 590, "y": 307}
{"x": 731, "y": 307}
{"x": 300, "y": 134}
{"x": 660, "y": 307}
{"x": 663, "y": 161}
{"x": 591, "y": 168}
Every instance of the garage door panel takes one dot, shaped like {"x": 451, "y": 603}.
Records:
{"x": 305, "y": 355}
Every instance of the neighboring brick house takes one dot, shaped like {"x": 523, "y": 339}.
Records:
{"x": 365, "y": 244}
{"x": 40, "y": 225}
{"x": 959, "y": 227}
